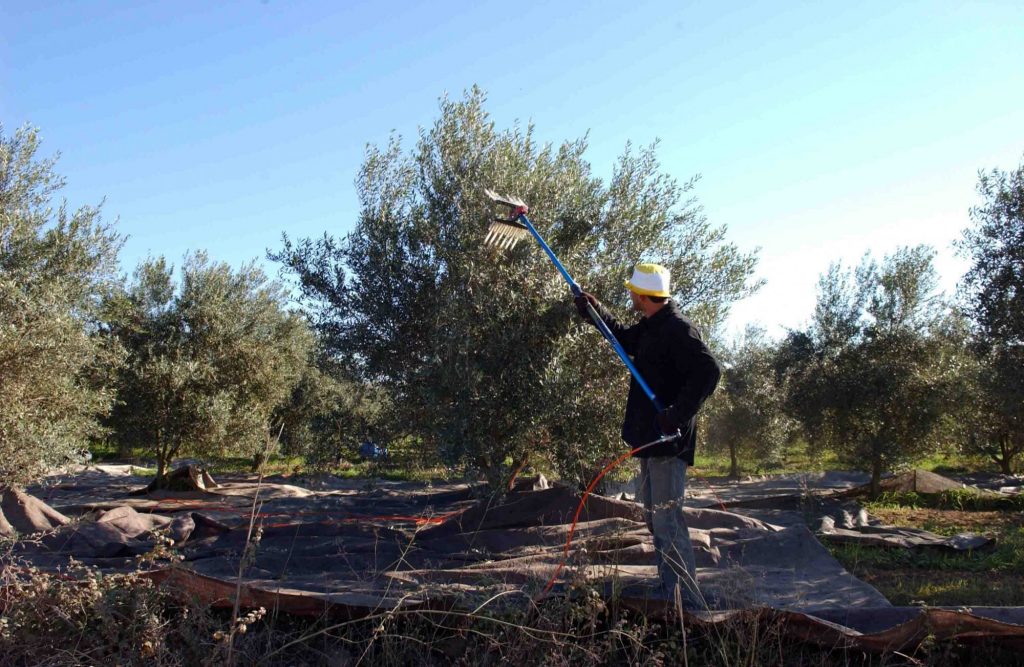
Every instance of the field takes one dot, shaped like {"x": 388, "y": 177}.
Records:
{"x": 337, "y": 570}
{"x": 989, "y": 577}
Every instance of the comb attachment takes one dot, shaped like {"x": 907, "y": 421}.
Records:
{"x": 505, "y": 234}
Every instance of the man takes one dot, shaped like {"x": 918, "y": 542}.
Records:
{"x": 670, "y": 356}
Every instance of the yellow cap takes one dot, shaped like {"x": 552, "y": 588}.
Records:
{"x": 649, "y": 280}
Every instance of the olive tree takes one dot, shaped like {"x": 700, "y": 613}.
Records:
{"x": 990, "y": 407}
{"x": 994, "y": 285}
{"x": 749, "y": 420}
{"x": 865, "y": 380}
{"x": 993, "y": 293}
{"x": 328, "y": 414}
{"x": 209, "y": 359}
{"x": 55, "y": 265}
{"x": 479, "y": 349}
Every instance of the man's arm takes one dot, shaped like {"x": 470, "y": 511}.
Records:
{"x": 691, "y": 357}
{"x": 627, "y": 336}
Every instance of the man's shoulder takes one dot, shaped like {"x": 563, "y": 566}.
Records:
{"x": 677, "y": 326}
{"x": 676, "y": 319}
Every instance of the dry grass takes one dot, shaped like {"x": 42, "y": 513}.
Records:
{"x": 125, "y": 620}
{"x": 81, "y": 616}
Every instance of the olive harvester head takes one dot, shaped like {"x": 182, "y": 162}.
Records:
{"x": 506, "y": 232}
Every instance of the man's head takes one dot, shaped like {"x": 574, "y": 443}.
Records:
{"x": 649, "y": 288}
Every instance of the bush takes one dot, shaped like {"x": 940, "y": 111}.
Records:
{"x": 89, "y": 618}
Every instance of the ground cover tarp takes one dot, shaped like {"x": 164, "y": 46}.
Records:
{"x": 828, "y": 501}
{"x": 23, "y": 513}
{"x": 920, "y": 481}
{"x": 896, "y": 537}
{"x": 352, "y": 548}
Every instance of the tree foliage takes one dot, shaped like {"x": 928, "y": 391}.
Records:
{"x": 994, "y": 285}
{"x": 209, "y": 360}
{"x": 328, "y": 414}
{"x": 478, "y": 349}
{"x": 993, "y": 290}
{"x": 865, "y": 380}
{"x": 54, "y": 266}
{"x": 748, "y": 419}
{"x": 990, "y": 412}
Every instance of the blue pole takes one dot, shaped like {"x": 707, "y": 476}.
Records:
{"x": 601, "y": 326}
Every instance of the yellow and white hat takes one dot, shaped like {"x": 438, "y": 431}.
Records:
{"x": 650, "y": 280}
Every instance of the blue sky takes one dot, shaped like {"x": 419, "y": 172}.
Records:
{"x": 821, "y": 129}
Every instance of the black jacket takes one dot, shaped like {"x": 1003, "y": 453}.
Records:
{"x": 672, "y": 358}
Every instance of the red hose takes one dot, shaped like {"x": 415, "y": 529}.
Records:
{"x": 583, "y": 500}
{"x": 579, "y": 510}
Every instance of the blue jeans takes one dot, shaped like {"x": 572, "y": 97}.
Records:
{"x": 662, "y": 488}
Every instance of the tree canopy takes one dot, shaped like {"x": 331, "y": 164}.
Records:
{"x": 477, "y": 348}
{"x": 864, "y": 379}
{"x": 994, "y": 285}
{"x": 747, "y": 418}
{"x": 208, "y": 362}
{"x": 55, "y": 265}
{"x": 993, "y": 293}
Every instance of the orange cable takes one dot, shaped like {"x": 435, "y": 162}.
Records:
{"x": 583, "y": 500}
{"x": 579, "y": 510}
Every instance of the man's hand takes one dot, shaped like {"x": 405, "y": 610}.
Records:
{"x": 581, "y": 304}
{"x": 668, "y": 422}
